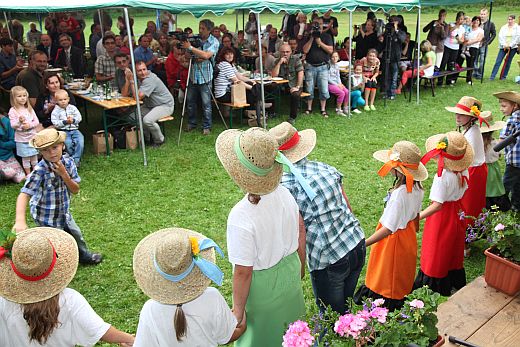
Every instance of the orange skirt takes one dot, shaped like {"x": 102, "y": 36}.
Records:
{"x": 391, "y": 267}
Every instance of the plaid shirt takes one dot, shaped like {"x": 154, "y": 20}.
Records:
{"x": 50, "y": 197}
{"x": 105, "y": 65}
{"x": 512, "y": 152}
{"x": 203, "y": 70}
{"x": 332, "y": 229}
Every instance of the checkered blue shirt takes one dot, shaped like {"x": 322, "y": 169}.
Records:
{"x": 512, "y": 152}
{"x": 50, "y": 197}
{"x": 203, "y": 70}
{"x": 332, "y": 229}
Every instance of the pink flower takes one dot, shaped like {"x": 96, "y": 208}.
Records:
{"x": 350, "y": 325}
{"x": 416, "y": 303}
{"x": 379, "y": 313}
{"x": 499, "y": 227}
{"x": 342, "y": 325}
{"x": 298, "y": 335}
{"x": 379, "y": 302}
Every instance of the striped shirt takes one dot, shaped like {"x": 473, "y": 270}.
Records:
{"x": 203, "y": 70}
{"x": 332, "y": 229}
{"x": 222, "y": 84}
{"x": 50, "y": 197}
{"x": 512, "y": 152}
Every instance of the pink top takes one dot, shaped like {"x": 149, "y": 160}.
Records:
{"x": 23, "y": 135}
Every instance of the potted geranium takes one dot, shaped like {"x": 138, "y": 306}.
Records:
{"x": 502, "y": 231}
{"x": 372, "y": 324}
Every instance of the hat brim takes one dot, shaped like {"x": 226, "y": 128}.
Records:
{"x": 304, "y": 147}
{"x": 157, "y": 287}
{"x": 508, "y": 95}
{"x": 453, "y": 165}
{"x": 498, "y": 125}
{"x": 458, "y": 110}
{"x": 60, "y": 139}
{"x": 420, "y": 174}
{"x": 245, "y": 179}
{"x": 18, "y": 290}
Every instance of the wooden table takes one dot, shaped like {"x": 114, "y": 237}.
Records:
{"x": 109, "y": 120}
{"x": 481, "y": 315}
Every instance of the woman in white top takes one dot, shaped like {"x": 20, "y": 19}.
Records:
{"x": 451, "y": 48}
{"x": 508, "y": 40}
{"x": 36, "y": 307}
{"x": 251, "y": 26}
{"x": 473, "y": 39}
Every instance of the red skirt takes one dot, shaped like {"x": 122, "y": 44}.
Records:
{"x": 442, "y": 247}
{"x": 474, "y": 199}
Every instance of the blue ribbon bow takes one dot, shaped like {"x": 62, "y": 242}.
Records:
{"x": 289, "y": 167}
{"x": 210, "y": 270}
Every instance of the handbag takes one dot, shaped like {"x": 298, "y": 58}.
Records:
{"x": 238, "y": 94}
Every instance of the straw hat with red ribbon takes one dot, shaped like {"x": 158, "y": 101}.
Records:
{"x": 472, "y": 107}
{"x": 492, "y": 126}
{"x": 39, "y": 264}
{"x": 294, "y": 144}
{"x": 405, "y": 157}
{"x": 452, "y": 151}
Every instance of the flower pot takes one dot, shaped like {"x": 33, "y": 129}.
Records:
{"x": 439, "y": 342}
{"x": 501, "y": 273}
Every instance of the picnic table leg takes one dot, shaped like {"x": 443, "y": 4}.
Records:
{"x": 432, "y": 82}
{"x": 105, "y": 125}
{"x": 86, "y": 112}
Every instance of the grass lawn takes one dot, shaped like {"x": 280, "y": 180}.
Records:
{"x": 121, "y": 201}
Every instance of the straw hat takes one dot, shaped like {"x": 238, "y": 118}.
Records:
{"x": 456, "y": 145}
{"x": 294, "y": 144}
{"x": 464, "y": 107}
{"x": 405, "y": 152}
{"x": 259, "y": 150}
{"x": 508, "y": 95}
{"x": 47, "y": 138}
{"x": 173, "y": 254}
{"x": 32, "y": 256}
{"x": 484, "y": 128}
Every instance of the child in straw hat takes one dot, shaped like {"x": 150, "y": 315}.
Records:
{"x": 47, "y": 191}
{"x": 174, "y": 267}
{"x": 442, "y": 250}
{"x": 265, "y": 244}
{"x": 469, "y": 117}
{"x": 36, "y": 307}
{"x": 495, "y": 191}
{"x": 510, "y": 106}
{"x": 391, "y": 267}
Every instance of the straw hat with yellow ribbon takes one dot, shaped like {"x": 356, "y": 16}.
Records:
{"x": 36, "y": 264}
{"x": 405, "y": 157}
{"x": 472, "y": 107}
{"x": 294, "y": 144}
{"x": 508, "y": 95}
{"x": 47, "y": 138}
{"x": 175, "y": 265}
{"x": 452, "y": 151}
{"x": 253, "y": 161}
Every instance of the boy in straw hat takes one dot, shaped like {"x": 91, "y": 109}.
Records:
{"x": 36, "y": 307}
{"x": 175, "y": 267}
{"x": 510, "y": 106}
{"x": 264, "y": 241}
{"x": 335, "y": 240}
{"x": 442, "y": 250}
{"x": 47, "y": 191}
{"x": 391, "y": 266}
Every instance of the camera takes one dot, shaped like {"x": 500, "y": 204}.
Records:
{"x": 389, "y": 28}
{"x": 194, "y": 40}
{"x": 315, "y": 30}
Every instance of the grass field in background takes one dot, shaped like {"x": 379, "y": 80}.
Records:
{"x": 121, "y": 201}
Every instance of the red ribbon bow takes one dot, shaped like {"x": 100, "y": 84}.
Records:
{"x": 3, "y": 252}
{"x": 389, "y": 165}
{"x": 441, "y": 154}
{"x": 467, "y": 109}
{"x": 293, "y": 141}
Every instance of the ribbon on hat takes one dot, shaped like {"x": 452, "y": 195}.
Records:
{"x": 474, "y": 110}
{"x": 389, "y": 165}
{"x": 280, "y": 158}
{"x": 440, "y": 151}
{"x": 293, "y": 141}
{"x": 39, "y": 277}
{"x": 209, "y": 269}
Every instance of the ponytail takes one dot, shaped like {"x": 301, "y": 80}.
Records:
{"x": 42, "y": 318}
{"x": 180, "y": 324}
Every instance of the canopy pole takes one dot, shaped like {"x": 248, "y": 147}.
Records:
{"x": 483, "y": 63}
{"x": 236, "y": 21}
{"x": 243, "y": 20}
{"x": 103, "y": 28}
{"x": 136, "y": 89}
{"x": 7, "y": 25}
{"x": 349, "y": 63}
{"x": 261, "y": 71}
{"x": 40, "y": 21}
{"x": 158, "y": 19}
{"x": 418, "y": 52}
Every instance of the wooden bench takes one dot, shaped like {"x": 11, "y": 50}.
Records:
{"x": 232, "y": 107}
{"x": 162, "y": 121}
{"x": 432, "y": 78}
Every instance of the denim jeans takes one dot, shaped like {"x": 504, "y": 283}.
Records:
{"x": 320, "y": 76}
{"x": 512, "y": 185}
{"x": 394, "y": 69}
{"x": 501, "y": 55}
{"x": 194, "y": 91}
{"x": 74, "y": 143}
{"x": 477, "y": 73}
{"x": 337, "y": 282}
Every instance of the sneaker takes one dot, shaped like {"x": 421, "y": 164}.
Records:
{"x": 367, "y": 108}
{"x": 92, "y": 259}
{"x": 372, "y": 108}
{"x": 356, "y": 111}
{"x": 470, "y": 83}
{"x": 206, "y": 131}
{"x": 291, "y": 120}
{"x": 339, "y": 112}
{"x": 391, "y": 97}
{"x": 158, "y": 144}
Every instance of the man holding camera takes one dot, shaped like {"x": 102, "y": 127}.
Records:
{"x": 393, "y": 43}
{"x": 201, "y": 75}
{"x": 318, "y": 49}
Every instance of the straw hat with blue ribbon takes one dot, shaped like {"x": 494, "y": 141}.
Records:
{"x": 174, "y": 265}
{"x": 253, "y": 161}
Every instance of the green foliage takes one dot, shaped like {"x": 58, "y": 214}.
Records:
{"x": 6, "y": 243}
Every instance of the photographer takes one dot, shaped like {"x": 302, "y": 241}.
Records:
{"x": 203, "y": 50}
{"x": 393, "y": 43}
{"x": 318, "y": 49}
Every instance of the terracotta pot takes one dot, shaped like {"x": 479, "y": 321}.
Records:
{"x": 502, "y": 274}
{"x": 439, "y": 342}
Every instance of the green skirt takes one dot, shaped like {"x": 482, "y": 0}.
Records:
{"x": 494, "y": 184}
{"x": 275, "y": 300}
